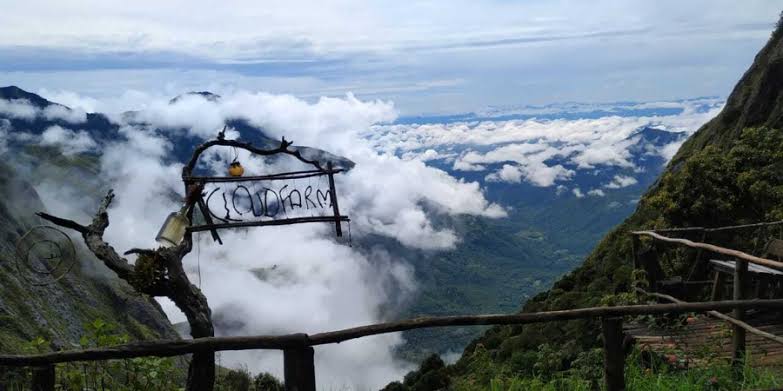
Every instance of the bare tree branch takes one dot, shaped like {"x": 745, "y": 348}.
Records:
{"x": 93, "y": 237}
{"x": 63, "y": 222}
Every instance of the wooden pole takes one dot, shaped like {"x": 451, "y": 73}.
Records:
{"x": 635, "y": 251}
{"x": 333, "y": 196}
{"x": 717, "y": 286}
{"x": 697, "y": 260}
{"x": 738, "y": 338}
{"x": 722, "y": 316}
{"x": 717, "y": 249}
{"x": 614, "y": 356}
{"x": 299, "y": 369}
{"x": 43, "y": 378}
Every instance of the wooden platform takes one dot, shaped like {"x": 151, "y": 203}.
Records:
{"x": 705, "y": 337}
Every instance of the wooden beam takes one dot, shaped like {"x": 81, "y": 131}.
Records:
{"x": 717, "y": 286}
{"x": 738, "y": 336}
{"x": 165, "y": 348}
{"x": 333, "y": 195}
{"x": 614, "y": 355}
{"x": 721, "y": 316}
{"x": 293, "y": 220}
{"x": 717, "y": 249}
{"x": 299, "y": 369}
{"x": 280, "y": 176}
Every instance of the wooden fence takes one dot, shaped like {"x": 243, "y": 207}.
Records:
{"x": 299, "y": 368}
{"x": 298, "y": 352}
{"x": 740, "y": 284}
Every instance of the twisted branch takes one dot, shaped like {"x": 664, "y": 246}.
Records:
{"x": 93, "y": 237}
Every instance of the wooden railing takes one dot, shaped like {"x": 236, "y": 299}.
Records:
{"x": 299, "y": 368}
{"x": 740, "y": 283}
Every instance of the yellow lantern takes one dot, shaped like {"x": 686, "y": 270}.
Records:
{"x": 236, "y": 169}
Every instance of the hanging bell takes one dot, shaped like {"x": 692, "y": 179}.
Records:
{"x": 236, "y": 169}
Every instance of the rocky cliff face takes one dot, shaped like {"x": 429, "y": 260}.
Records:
{"x": 58, "y": 311}
{"x": 757, "y": 100}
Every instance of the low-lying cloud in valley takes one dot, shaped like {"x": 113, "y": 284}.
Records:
{"x": 535, "y": 150}
{"x": 300, "y": 278}
{"x": 283, "y": 279}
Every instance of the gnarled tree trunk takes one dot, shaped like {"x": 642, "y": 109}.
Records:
{"x": 172, "y": 282}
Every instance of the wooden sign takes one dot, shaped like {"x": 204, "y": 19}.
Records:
{"x": 296, "y": 197}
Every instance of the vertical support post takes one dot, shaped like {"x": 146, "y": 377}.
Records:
{"x": 333, "y": 196}
{"x": 614, "y": 355}
{"x": 43, "y": 378}
{"x": 738, "y": 337}
{"x": 717, "y": 286}
{"x": 299, "y": 369}
{"x": 635, "y": 251}
{"x": 697, "y": 261}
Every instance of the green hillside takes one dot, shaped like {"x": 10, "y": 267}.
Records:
{"x": 729, "y": 172}
{"x": 59, "y": 311}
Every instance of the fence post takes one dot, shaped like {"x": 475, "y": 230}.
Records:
{"x": 299, "y": 369}
{"x": 43, "y": 378}
{"x": 738, "y": 337}
{"x": 614, "y": 355}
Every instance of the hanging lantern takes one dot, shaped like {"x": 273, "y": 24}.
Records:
{"x": 236, "y": 169}
{"x": 173, "y": 230}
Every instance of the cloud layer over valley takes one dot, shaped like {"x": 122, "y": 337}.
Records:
{"x": 300, "y": 278}
{"x": 283, "y": 279}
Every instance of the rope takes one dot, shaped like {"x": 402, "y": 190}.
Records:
{"x": 350, "y": 238}
{"x": 198, "y": 257}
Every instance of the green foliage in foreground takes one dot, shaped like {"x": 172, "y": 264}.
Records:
{"x": 646, "y": 377}
{"x": 136, "y": 374}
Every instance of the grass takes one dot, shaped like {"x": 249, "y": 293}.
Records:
{"x": 656, "y": 376}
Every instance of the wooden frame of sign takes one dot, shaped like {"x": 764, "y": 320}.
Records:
{"x": 246, "y": 201}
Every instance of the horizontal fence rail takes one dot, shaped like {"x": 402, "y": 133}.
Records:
{"x": 716, "y": 249}
{"x": 165, "y": 348}
{"x": 717, "y": 229}
{"x": 718, "y": 315}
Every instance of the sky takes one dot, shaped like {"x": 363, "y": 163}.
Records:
{"x": 425, "y": 56}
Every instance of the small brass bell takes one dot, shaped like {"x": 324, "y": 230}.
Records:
{"x": 236, "y": 169}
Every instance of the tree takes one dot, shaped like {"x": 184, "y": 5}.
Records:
{"x": 156, "y": 273}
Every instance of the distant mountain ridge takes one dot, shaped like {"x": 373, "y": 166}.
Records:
{"x": 103, "y": 130}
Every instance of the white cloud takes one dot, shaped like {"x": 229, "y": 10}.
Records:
{"x": 5, "y": 128}
{"x": 542, "y": 151}
{"x": 508, "y": 173}
{"x": 73, "y": 100}
{"x": 536, "y": 174}
{"x": 69, "y": 141}
{"x": 23, "y": 109}
{"x": 577, "y": 192}
{"x": 669, "y": 150}
{"x": 620, "y": 181}
{"x": 57, "y": 112}
{"x": 461, "y": 165}
{"x": 18, "y": 108}
{"x": 596, "y": 192}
